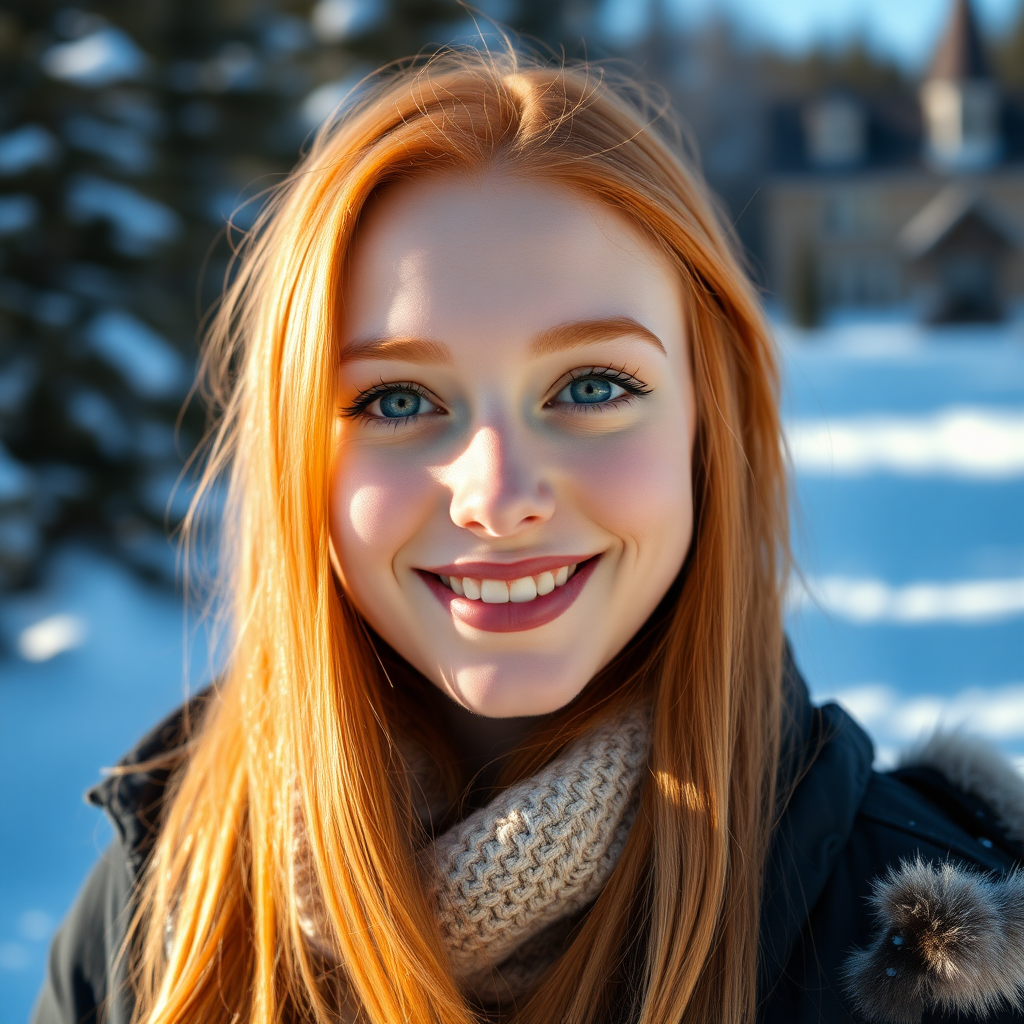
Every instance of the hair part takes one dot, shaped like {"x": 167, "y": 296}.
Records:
{"x": 304, "y": 706}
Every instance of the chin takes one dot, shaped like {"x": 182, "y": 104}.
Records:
{"x": 524, "y": 687}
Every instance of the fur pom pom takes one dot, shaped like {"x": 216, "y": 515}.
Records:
{"x": 974, "y": 766}
{"x": 950, "y": 940}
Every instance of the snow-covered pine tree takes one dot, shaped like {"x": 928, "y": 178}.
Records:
{"x": 129, "y": 132}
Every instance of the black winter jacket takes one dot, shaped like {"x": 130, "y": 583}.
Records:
{"x": 889, "y": 897}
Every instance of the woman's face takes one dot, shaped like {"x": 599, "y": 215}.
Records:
{"x": 511, "y": 492}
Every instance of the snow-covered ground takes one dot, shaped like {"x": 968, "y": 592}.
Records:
{"x": 908, "y": 526}
{"x": 91, "y": 661}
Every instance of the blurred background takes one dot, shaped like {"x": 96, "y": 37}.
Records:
{"x": 870, "y": 161}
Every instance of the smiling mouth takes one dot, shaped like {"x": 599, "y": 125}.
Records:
{"x": 518, "y": 591}
{"x": 512, "y": 604}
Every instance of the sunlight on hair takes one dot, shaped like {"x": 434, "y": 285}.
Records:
{"x": 304, "y": 700}
{"x": 685, "y": 794}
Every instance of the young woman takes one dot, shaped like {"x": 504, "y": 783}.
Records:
{"x": 509, "y": 730}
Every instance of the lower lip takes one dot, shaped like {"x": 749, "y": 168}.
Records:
{"x": 512, "y": 618}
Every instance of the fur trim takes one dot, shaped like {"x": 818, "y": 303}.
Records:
{"x": 972, "y": 765}
{"x": 950, "y": 940}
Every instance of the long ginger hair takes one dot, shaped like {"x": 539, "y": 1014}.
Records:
{"x": 305, "y": 712}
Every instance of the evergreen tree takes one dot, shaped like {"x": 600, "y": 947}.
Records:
{"x": 130, "y": 131}
{"x": 1008, "y": 51}
{"x": 805, "y": 287}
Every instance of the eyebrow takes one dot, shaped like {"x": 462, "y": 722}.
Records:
{"x": 407, "y": 350}
{"x": 573, "y": 334}
{"x": 589, "y": 332}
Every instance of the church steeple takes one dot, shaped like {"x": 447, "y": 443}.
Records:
{"x": 960, "y": 55}
{"x": 960, "y": 99}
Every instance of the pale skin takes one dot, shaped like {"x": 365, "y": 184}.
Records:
{"x": 516, "y": 386}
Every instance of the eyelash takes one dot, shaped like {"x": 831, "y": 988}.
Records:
{"x": 366, "y": 398}
{"x": 633, "y": 387}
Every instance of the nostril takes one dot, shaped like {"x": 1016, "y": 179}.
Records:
{"x": 498, "y": 511}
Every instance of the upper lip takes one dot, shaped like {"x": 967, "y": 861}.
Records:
{"x": 508, "y": 570}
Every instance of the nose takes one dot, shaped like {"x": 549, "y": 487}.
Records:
{"x": 496, "y": 492}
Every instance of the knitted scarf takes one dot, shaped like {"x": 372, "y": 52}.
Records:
{"x": 509, "y": 881}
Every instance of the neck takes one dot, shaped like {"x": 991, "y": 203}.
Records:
{"x": 480, "y": 738}
{"x": 481, "y": 743}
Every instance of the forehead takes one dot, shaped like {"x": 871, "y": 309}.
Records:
{"x": 444, "y": 256}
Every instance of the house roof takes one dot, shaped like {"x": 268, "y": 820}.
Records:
{"x": 894, "y": 129}
{"x": 931, "y": 225}
{"x": 893, "y": 136}
{"x": 960, "y": 54}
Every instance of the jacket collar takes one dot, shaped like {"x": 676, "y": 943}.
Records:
{"x": 825, "y": 767}
{"x": 132, "y": 794}
{"x": 824, "y": 752}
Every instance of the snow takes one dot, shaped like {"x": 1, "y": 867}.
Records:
{"x": 54, "y": 308}
{"x": 155, "y": 440}
{"x": 995, "y": 713}
{"x": 150, "y": 364}
{"x": 166, "y": 493}
{"x": 914, "y": 617}
{"x": 908, "y": 525}
{"x": 95, "y": 414}
{"x": 982, "y": 443}
{"x": 285, "y": 34}
{"x": 105, "y": 662}
{"x": 20, "y": 542}
{"x": 873, "y": 600}
{"x": 26, "y": 147}
{"x": 101, "y": 58}
{"x": 140, "y": 223}
{"x": 329, "y": 99}
{"x": 16, "y": 379}
{"x": 234, "y": 68}
{"x": 15, "y": 479}
{"x": 335, "y": 20}
{"x": 94, "y": 282}
{"x": 233, "y": 207}
{"x": 125, "y": 147}
{"x": 51, "y": 636}
{"x": 17, "y": 212}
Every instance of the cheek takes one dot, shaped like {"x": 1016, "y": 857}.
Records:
{"x": 638, "y": 487}
{"x": 376, "y": 506}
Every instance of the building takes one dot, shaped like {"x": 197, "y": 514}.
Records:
{"x": 902, "y": 201}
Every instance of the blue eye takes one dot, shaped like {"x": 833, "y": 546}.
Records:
{"x": 394, "y": 402}
{"x": 399, "y": 404}
{"x": 590, "y": 391}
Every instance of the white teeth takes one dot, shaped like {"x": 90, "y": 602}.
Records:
{"x": 520, "y": 591}
{"x": 494, "y": 591}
